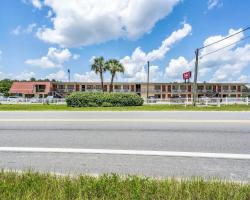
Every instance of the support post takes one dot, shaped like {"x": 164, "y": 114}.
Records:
{"x": 148, "y": 82}
{"x": 195, "y": 76}
{"x": 69, "y": 75}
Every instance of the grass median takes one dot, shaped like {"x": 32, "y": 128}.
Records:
{"x": 31, "y": 185}
{"x": 54, "y": 107}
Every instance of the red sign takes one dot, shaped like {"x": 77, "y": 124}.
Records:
{"x": 187, "y": 75}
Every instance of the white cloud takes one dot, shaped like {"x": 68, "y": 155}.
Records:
{"x": 36, "y": 3}
{"x": 175, "y": 69}
{"x": 135, "y": 64}
{"x": 16, "y": 31}
{"x": 59, "y": 76}
{"x": 243, "y": 79}
{"x": 214, "y": 4}
{"x": 21, "y": 76}
{"x": 59, "y": 55}
{"x": 30, "y": 28}
{"x": 226, "y": 65}
{"x": 43, "y": 62}
{"x": 55, "y": 58}
{"x": 25, "y": 76}
{"x": 76, "y": 56}
{"x": 86, "y": 22}
{"x": 168, "y": 42}
{"x": 19, "y": 30}
{"x": 87, "y": 77}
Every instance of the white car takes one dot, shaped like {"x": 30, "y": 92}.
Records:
{"x": 14, "y": 99}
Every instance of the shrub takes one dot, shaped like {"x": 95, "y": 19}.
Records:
{"x": 80, "y": 99}
{"x": 107, "y": 104}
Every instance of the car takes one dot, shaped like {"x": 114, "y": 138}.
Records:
{"x": 34, "y": 100}
{"x": 14, "y": 99}
{"x": 151, "y": 99}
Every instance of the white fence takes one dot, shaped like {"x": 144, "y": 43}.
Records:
{"x": 19, "y": 100}
{"x": 200, "y": 101}
{"x": 170, "y": 101}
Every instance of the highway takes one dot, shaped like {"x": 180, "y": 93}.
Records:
{"x": 157, "y": 144}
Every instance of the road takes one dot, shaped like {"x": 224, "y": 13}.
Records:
{"x": 158, "y": 144}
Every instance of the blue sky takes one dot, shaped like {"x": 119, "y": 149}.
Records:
{"x": 43, "y": 38}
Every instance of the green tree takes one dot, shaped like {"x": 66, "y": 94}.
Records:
{"x": 5, "y": 86}
{"x": 113, "y": 66}
{"x": 32, "y": 79}
{"x": 99, "y": 67}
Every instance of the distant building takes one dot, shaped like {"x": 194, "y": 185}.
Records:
{"x": 31, "y": 89}
{"x": 156, "y": 90}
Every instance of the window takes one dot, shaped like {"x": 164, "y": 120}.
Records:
{"x": 183, "y": 87}
{"x": 200, "y": 87}
{"x": 157, "y": 87}
{"x": 90, "y": 87}
{"x": 157, "y": 96}
{"x": 175, "y": 87}
{"x": 40, "y": 88}
{"x": 225, "y": 87}
{"x": 126, "y": 87}
{"x": 98, "y": 87}
{"x": 209, "y": 87}
{"x": 70, "y": 87}
{"x": 61, "y": 87}
{"x": 233, "y": 87}
{"x": 83, "y": 88}
{"x": 117, "y": 87}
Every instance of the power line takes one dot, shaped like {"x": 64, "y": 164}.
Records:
{"x": 225, "y": 47}
{"x": 225, "y": 38}
{"x": 197, "y": 59}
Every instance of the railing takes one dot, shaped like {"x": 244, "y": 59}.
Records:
{"x": 205, "y": 101}
{"x": 20, "y": 100}
{"x": 200, "y": 101}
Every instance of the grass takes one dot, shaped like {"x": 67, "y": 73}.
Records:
{"x": 41, "y": 107}
{"x": 32, "y": 185}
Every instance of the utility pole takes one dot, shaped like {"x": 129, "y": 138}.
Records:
{"x": 148, "y": 82}
{"x": 197, "y": 58}
{"x": 69, "y": 75}
{"x": 195, "y": 76}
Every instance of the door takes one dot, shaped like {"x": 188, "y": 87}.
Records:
{"x": 138, "y": 88}
{"x": 132, "y": 88}
{"x": 77, "y": 87}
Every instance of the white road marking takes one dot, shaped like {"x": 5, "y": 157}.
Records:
{"x": 124, "y": 120}
{"x": 126, "y": 152}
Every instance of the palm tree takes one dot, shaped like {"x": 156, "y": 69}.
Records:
{"x": 98, "y": 67}
{"x": 114, "y": 66}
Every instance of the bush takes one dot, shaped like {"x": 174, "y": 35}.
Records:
{"x": 86, "y": 99}
{"x": 107, "y": 104}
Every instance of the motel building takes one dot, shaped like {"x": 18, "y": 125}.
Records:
{"x": 156, "y": 90}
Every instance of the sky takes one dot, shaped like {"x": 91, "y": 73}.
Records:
{"x": 45, "y": 38}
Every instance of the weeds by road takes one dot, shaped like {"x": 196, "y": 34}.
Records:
{"x": 45, "y": 107}
{"x": 30, "y": 185}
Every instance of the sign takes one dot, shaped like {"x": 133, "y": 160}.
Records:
{"x": 187, "y": 75}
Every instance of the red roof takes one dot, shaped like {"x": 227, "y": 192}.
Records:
{"x": 29, "y": 88}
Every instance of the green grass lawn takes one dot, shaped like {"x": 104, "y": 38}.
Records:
{"x": 41, "y": 107}
{"x": 32, "y": 186}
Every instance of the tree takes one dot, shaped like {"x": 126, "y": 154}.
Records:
{"x": 114, "y": 66}
{"x": 5, "y": 86}
{"x": 98, "y": 67}
{"x": 32, "y": 79}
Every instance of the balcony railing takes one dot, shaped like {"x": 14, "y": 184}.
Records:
{"x": 40, "y": 90}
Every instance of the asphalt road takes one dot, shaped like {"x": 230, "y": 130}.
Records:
{"x": 193, "y": 132}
